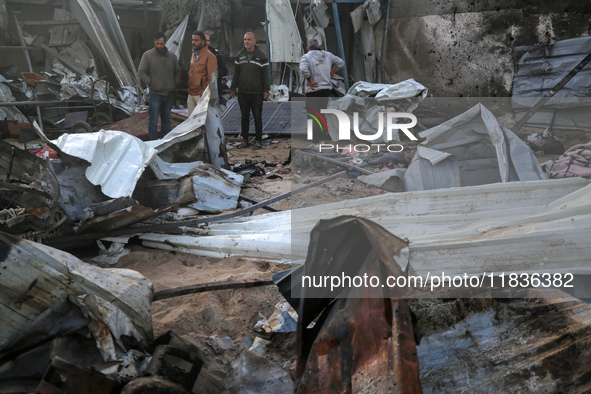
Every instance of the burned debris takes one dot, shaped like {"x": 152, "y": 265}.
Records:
{"x": 204, "y": 262}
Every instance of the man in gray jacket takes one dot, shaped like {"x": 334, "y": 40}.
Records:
{"x": 317, "y": 67}
{"x": 159, "y": 70}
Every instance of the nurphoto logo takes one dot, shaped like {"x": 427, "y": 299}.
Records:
{"x": 344, "y": 129}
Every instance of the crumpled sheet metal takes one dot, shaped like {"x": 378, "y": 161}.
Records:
{"x": 117, "y": 160}
{"x": 35, "y": 276}
{"x": 188, "y": 129}
{"x": 368, "y": 99}
{"x": 284, "y": 35}
{"x": 214, "y": 188}
{"x": 174, "y": 43}
{"x": 486, "y": 152}
{"x": 362, "y": 338}
{"x": 125, "y": 98}
{"x": 102, "y": 28}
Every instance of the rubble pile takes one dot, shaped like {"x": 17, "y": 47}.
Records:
{"x": 180, "y": 287}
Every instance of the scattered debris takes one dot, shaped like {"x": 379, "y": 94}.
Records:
{"x": 575, "y": 162}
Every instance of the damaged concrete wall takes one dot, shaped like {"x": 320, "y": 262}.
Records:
{"x": 465, "y": 48}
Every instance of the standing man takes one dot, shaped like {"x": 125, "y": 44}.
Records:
{"x": 203, "y": 64}
{"x": 251, "y": 79}
{"x": 318, "y": 67}
{"x": 159, "y": 70}
{"x": 222, "y": 69}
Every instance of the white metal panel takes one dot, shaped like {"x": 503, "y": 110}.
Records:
{"x": 284, "y": 36}
{"x": 117, "y": 159}
{"x": 174, "y": 43}
{"x": 423, "y": 217}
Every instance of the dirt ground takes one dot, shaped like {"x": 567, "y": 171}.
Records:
{"x": 205, "y": 317}
{"x": 262, "y": 188}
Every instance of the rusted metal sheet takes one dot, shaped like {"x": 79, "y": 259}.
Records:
{"x": 362, "y": 338}
{"x": 512, "y": 346}
{"x": 364, "y": 344}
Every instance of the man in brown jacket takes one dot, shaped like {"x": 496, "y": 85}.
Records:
{"x": 160, "y": 71}
{"x": 203, "y": 64}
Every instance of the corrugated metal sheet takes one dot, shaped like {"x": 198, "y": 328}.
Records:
{"x": 462, "y": 211}
{"x": 486, "y": 152}
{"x": 538, "y": 68}
{"x": 115, "y": 53}
{"x": 186, "y": 130}
{"x": 35, "y": 277}
{"x": 284, "y": 36}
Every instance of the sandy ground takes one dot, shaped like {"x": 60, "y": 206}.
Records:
{"x": 214, "y": 314}
{"x": 262, "y": 188}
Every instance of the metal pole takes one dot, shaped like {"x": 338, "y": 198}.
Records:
{"x": 384, "y": 37}
{"x": 337, "y": 24}
{"x": 28, "y": 59}
{"x": 268, "y": 49}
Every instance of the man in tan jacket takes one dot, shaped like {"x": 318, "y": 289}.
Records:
{"x": 203, "y": 64}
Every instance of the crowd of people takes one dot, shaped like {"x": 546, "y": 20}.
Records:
{"x": 160, "y": 71}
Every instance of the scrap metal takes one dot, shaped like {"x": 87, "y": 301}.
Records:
{"x": 361, "y": 338}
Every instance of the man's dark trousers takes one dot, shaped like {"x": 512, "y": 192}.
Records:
{"x": 251, "y": 102}
{"x": 159, "y": 105}
{"x": 318, "y": 100}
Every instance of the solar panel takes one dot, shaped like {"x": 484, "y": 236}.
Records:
{"x": 286, "y": 117}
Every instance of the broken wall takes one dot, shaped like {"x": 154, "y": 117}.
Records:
{"x": 465, "y": 48}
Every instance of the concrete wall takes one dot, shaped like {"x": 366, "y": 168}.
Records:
{"x": 465, "y": 48}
